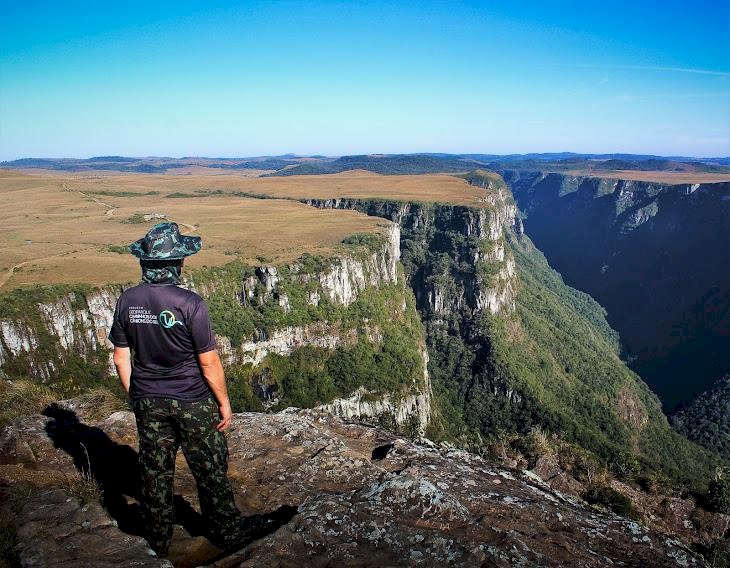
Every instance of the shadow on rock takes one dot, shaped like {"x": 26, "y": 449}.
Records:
{"x": 255, "y": 527}
{"x": 115, "y": 468}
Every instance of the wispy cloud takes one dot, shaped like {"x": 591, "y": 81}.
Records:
{"x": 650, "y": 68}
{"x": 630, "y": 97}
{"x": 676, "y": 70}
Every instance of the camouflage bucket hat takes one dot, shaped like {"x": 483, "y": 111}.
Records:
{"x": 164, "y": 242}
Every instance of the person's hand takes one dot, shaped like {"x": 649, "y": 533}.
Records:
{"x": 226, "y": 415}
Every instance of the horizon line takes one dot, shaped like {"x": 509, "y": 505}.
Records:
{"x": 321, "y": 155}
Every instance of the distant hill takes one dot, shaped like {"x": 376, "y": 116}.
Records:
{"x": 148, "y": 164}
{"x": 390, "y": 164}
{"x": 450, "y": 163}
{"x": 588, "y": 166}
{"x": 384, "y": 164}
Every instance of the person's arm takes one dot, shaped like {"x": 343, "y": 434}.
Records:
{"x": 212, "y": 369}
{"x": 122, "y": 352}
{"x": 123, "y": 363}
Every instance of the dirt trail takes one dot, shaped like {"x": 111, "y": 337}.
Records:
{"x": 111, "y": 208}
{"x": 9, "y": 273}
{"x": 192, "y": 228}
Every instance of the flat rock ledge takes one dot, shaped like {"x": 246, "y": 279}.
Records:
{"x": 366, "y": 498}
{"x": 56, "y": 529}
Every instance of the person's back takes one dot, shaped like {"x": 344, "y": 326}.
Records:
{"x": 178, "y": 393}
{"x": 167, "y": 327}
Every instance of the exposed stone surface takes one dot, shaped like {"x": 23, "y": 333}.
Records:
{"x": 55, "y": 529}
{"x": 365, "y": 497}
{"x": 347, "y": 277}
{"x": 284, "y": 341}
{"x": 487, "y": 223}
{"x": 675, "y": 515}
{"x": 268, "y": 276}
{"x": 547, "y": 469}
{"x": 414, "y": 408}
{"x": 78, "y": 323}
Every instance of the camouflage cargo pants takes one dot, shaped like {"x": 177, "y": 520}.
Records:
{"x": 165, "y": 424}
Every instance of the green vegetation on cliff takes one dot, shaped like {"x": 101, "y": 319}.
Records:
{"x": 655, "y": 255}
{"x": 314, "y": 375}
{"x": 379, "y": 336}
{"x": 706, "y": 419}
{"x": 23, "y": 302}
{"x": 484, "y": 179}
{"x": 240, "y": 318}
{"x": 554, "y": 364}
{"x": 375, "y": 341}
{"x": 70, "y": 372}
{"x": 380, "y": 342}
{"x": 569, "y": 359}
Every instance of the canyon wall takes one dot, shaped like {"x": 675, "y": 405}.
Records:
{"x": 657, "y": 256}
{"x": 451, "y": 324}
{"x": 511, "y": 346}
{"x": 323, "y": 306}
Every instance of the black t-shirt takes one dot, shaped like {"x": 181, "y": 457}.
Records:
{"x": 166, "y": 327}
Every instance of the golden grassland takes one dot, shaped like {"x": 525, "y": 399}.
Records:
{"x": 58, "y": 228}
{"x": 354, "y": 183}
{"x": 653, "y": 176}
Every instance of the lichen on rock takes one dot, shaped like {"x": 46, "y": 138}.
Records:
{"x": 415, "y": 505}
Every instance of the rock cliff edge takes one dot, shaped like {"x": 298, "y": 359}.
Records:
{"x": 365, "y": 496}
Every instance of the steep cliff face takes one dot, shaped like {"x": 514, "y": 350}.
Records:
{"x": 330, "y": 311}
{"x": 411, "y": 413}
{"x": 457, "y": 264}
{"x": 57, "y": 333}
{"x": 454, "y": 256}
{"x": 511, "y": 347}
{"x": 655, "y": 255}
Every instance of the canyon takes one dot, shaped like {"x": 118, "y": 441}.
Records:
{"x": 438, "y": 322}
{"x": 616, "y": 239}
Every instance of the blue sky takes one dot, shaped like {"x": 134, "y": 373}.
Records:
{"x": 79, "y": 79}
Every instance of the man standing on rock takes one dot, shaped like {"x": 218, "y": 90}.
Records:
{"x": 177, "y": 391}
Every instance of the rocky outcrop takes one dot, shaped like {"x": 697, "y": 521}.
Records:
{"x": 365, "y": 498}
{"x": 409, "y": 412}
{"x": 459, "y": 286}
{"x": 284, "y": 341}
{"x": 16, "y": 339}
{"x": 45, "y": 336}
{"x": 341, "y": 279}
{"x": 56, "y": 529}
{"x": 347, "y": 276}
